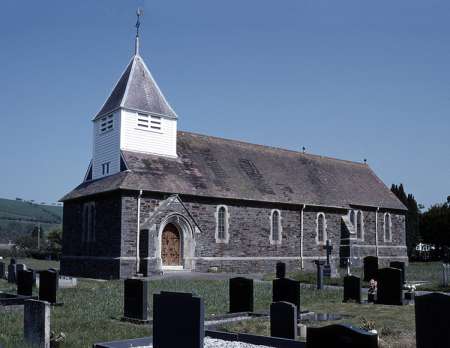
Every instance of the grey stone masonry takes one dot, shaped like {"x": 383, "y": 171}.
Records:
{"x": 247, "y": 248}
{"x": 36, "y": 323}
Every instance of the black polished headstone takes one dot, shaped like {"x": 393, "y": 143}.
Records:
{"x": 20, "y": 267}
{"x": 432, "y": 312}
{"x": 12, "y": 273}
{"x": 281, "y": 270}
{"x": 286, "y": 290}
{"x": 12, "y": 261}
{"x": 401, "y": 266}
{"x": 48, "y": 286}
{"x": 178, "y": 320}
{"x": 352, "y": 289}
{"x": 390, "y": 287}
{"x": 25, "y": 283}
{"x": 340, "y": 336}
{"x": 241, "y": 295}
{"x": 283, "y": 320}
{"x": 2, "y": 270}
{"x": 135, "y": 299}
{"x": 370, "y": 268}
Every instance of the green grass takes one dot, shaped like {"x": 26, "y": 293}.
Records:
{"x": 24, "y": 210}
{"x": 35, "y": 264}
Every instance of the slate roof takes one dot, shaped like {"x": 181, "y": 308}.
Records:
{"x": 215, "y": 167}
{"x": 137, "y": 90}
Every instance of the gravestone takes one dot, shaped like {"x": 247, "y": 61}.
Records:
{"x": 135, "y": 299}
{"x": 48, "y": 286}
{"x": 286, "y": 290}
{"x": 390, "y": 287}
{"x": 319, "y": 265}
{"x": 2, "y": 270}
{"x": 327, "y": 267}
{"x": 281, "y": 270}
{"x": 36, "y": 323}
{"x": 178, "y": 320}
{"x": 241, "y": 295}
{"x": 352, "y": 289}
{"x": 20, "y": 267}
{"x": 12, "y": 273}
{"x": 401, "y": 266}
{"x": 25, "y": 283}
{"x": 432, "y": 313}
{"x": 339, "y": 336}
{"x": 445, "y": 273}
{"x": 370, "y": 268}
{"x": 283, "y": 320}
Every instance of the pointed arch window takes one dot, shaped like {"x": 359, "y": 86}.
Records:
{"x": 359, "y": 225}
{"x": 222, "y": 217}
{"x": 88, "y": 219}
{"x": 387, "y": 227}
{"x": 275, "y": 227}
{"x": 321, "y": 228}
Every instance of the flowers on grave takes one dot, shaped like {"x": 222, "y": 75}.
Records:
{"x": 410, "y": 287}
{"x": 368, "y": 325}
{"x": 373, "y": 286}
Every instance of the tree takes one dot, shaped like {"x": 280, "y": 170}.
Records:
{"x": 435, "y": 225}
{"x": 412, "y": 217}
{"x": 54, "y": 241}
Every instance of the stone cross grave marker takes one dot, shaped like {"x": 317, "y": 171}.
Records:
{"x": 370, "y": 268}
{"x": 25, "y": 283}
{"x": 135, "y": 299}
{"x": 281, "y": 270}
{"x": 36, "y": 323}
{"x": 241, "y": 295}
{"x": 339, "y": 336}
{"x": 48, "y": 286}
{"x": 319, "y": 265}
{"x": 283, "y": 320}
{"x": 401, "y": 266}
{"x": 2, "y": 270}
{"x": 178, "y": 320}
{"x": 390, "y": 287}
{"x": 352, "y": 289}
{"x": 432, "y": 311}
{"x": 286, "y": 290}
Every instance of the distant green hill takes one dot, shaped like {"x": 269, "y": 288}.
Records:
{"x": 18, "y": 217}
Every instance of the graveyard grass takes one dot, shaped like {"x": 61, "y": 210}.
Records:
{"x": 91, "y": 311}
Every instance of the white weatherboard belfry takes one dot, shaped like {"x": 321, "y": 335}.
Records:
{"x": 136, "y": 117}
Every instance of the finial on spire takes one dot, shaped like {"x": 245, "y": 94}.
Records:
{"x": 139, "y": 13}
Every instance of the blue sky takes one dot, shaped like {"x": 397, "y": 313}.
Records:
{"x": 347, "y": 79}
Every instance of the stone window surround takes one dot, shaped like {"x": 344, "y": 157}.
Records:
{"x": 355, "y": 222}
{"x": 280, "y": 228}
{"x": 325, "y": 237}
{"x": 390, "y": 227}
{"x": 88, "y": 223}
{"x": 227, "y": 225}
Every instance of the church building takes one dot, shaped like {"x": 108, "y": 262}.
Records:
{"x": 157, "y": 199}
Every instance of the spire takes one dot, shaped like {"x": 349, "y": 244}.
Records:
{"x": 139, "y": 13}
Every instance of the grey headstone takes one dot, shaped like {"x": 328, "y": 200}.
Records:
{"x": 283, "y": 320}
{"x": 281, "y": 270}
{"x": 340, "y": 336}
{"x": 36, "y": 323}
{"x": 286, "y": 290}
{"x": 12, "y": 273}
{"x": 135, "y": 299}
{"x": 432, "y": 313}
{"x": 401, "y": 266}
{"x": 241, "y": 295}
{"x": 319, "y": 277}
{"x": 390, "y": 287}
{"x": 370, "y": 268}
{"x": 352, "y": 289}
{"x": 25, "y": 283}
{"x": 178, "y": 320}
{"x": 48, "y": 286}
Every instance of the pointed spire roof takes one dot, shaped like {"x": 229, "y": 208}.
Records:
{"x": 137, "y": 90}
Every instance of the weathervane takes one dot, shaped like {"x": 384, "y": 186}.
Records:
{"x": 139, "y": 13}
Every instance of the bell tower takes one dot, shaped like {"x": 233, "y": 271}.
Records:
{"x": 136, "y": 117}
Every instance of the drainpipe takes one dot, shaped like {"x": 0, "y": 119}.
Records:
{"x": 301, "y": 235}
{"x": 138, "y": 229}
{"x": 376, "y": 231}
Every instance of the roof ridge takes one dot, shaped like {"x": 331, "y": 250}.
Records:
{"x": 130, "y": 76}
{"x": 276, "y": 148}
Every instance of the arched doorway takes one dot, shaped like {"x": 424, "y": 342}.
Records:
{"x": 171, "y": 246}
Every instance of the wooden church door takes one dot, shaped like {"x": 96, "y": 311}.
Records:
{"x": 170, "y": 246}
